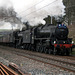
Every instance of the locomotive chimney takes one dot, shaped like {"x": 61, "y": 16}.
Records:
{"x": 59, "y": 22}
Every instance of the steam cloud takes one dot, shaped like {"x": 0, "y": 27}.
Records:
{"x": 34, "y": 11}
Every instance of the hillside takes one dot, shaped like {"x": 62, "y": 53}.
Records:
{"x": 72, "y": 35}
{"x": 72, "y": 31}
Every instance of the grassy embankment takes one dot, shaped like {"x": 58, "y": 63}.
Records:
{"x": 2, "y": 30}
{"x": 72, "y": 35}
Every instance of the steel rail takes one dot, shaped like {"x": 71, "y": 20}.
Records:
{"x": 6, "y": 70}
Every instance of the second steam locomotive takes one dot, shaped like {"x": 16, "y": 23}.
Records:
{"x": 49, "y": 39}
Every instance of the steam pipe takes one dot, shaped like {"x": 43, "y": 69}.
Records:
{"x": 51, "y": 20}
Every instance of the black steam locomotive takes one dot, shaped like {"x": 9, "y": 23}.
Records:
{"x": 49, "y": 39}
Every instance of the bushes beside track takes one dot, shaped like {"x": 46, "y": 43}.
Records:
{"x": 72, "y": 35}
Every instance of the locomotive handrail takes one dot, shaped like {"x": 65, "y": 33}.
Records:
{"x": 41, "y": 38}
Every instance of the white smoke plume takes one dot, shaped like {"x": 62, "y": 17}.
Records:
{"x": 8, "y": 19}
{"x": 6, "y": 4}
{"x": 34, "y": 11}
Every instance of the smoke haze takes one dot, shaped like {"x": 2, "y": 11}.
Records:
{"x": 34, "y": 11}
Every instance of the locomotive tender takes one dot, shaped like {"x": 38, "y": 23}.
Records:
{"x": 49, "y": 39}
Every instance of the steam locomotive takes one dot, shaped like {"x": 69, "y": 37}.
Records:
{"x": 48, "y": 38}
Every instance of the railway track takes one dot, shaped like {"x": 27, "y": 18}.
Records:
{"x": 70, "y": 57}
{"x": 63, "y": 62}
